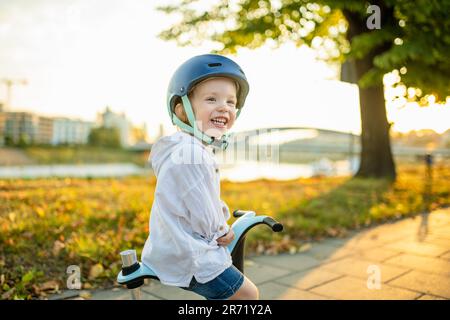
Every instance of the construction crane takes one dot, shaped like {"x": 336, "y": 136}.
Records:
{"x": 9, "y": 83}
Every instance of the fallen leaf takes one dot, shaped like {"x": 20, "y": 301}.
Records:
{"x": 27, "y": 235}
{"x": 304, "y": 247}
{"x": 52, "y": 285}
{"x": 332, "y": 232}
{"x": 292, "y": 250}
{"x": 248, "y": 263}
{"x": 8, "y": 294}
{"x": 12, "y": 216}
{"x": 57, "y": 247}
{"x": 87, "y": 285}
{"x": 85, "y": 295}
{"x": 96, "y": 271}
{"x": 40, "y": 212}
{"x": 36, "y": 289}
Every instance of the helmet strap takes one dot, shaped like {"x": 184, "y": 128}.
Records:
{"x": 221, "y": 143}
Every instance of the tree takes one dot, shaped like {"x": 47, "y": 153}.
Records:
{"x": 24, "y": 140}
{"x": 411, "y": 38}
{"x": 104, "y": 137}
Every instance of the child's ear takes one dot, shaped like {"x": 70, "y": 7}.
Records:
{"x": 180, "y": 113}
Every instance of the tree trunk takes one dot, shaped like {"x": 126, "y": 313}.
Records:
{"x": 376, "y": 155}
{"x": 376, "y": 158}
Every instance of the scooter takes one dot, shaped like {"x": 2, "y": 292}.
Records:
{"x": 134, "y": 272}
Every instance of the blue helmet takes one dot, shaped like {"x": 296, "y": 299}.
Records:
{"x": 194, "y": 71}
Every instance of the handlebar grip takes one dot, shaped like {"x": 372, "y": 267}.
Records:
{"x": 276, "y": 226}
{"x": 239, "y": 213}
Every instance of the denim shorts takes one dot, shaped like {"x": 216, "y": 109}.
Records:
{"x": 221, "y": 287}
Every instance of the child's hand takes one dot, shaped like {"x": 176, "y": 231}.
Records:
{"x": 226, "y": 239}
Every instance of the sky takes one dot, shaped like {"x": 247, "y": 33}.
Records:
{"x": 79, "y": 56}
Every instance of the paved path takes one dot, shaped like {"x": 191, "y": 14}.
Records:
{"x": 13, "y": 157}
{"x": 410, "y": 257}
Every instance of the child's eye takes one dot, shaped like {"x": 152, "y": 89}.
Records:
{"x": 211, "y": 99}
{"x": 233, "y": 103}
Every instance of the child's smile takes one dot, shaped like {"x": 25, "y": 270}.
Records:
{"x": 214, "y": 105}
{"x": 220, "y": 122}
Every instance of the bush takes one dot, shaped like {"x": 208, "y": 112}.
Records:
{"x": 105, "y": 137}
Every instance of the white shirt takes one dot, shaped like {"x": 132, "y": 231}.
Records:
{"x": 187, "y": 214}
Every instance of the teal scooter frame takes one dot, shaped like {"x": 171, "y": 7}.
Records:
{"x": 134, "y": 272}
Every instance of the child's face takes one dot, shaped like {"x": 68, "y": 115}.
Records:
{"x": 214, "y": 105}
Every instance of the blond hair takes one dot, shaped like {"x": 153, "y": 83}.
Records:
{"x": 191, "y": 93}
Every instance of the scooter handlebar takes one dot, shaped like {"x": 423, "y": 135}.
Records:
{"x": 272, "y": 223}
{"x": 239, "y": 213}
{"x": 276, "y": 226}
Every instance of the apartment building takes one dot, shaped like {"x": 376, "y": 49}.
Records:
{"x": 70, "y": 131}
{"x": 110, "y": 119}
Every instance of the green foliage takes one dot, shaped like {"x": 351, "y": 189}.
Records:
{"x": 9, "y": 141}
{"x": 24, "y": 140}
{"x": 414, "y": 35}
{"x": 106, "y": 137}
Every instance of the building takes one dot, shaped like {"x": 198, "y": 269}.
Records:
{"x": 111, "y": 119}
{"x": 70, "y": 131}
{"x": 26, "y": 127}
{"x": 20, "y": 127}
{"x": 44, "y": 130}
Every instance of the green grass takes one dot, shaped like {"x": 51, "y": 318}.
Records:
{"x": 48, "y": 224}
